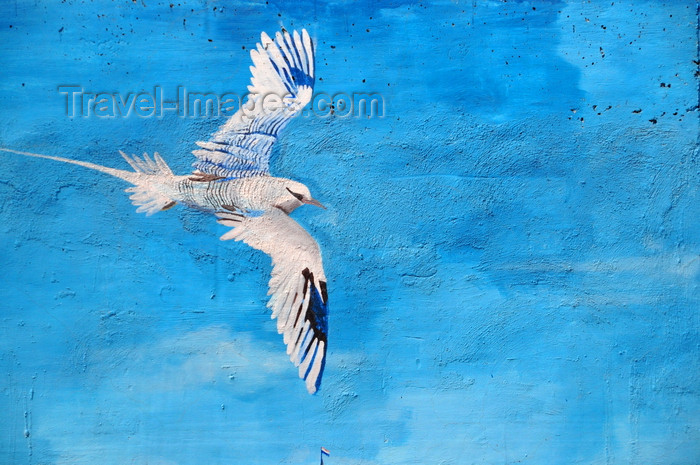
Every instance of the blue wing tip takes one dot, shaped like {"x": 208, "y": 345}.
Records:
{"x": 317, "y": 315}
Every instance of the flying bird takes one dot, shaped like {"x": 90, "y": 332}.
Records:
{"x": 231, "y": 179}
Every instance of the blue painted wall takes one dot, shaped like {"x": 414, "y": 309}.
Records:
{"x": 512, "y": 250}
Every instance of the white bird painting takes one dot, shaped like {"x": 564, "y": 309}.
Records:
{"x": 232, "y": 180}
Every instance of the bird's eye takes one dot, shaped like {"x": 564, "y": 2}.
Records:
{"x": 298, "y": 196}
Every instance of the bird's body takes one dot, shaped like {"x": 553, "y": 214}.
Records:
{"x": 251, "y": 194}
{"x": 232, "y": 180}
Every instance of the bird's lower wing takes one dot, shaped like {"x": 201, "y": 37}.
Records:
{"x": 297, "y": 286}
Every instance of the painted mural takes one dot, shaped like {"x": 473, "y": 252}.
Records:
{"x": 232, "y": 179}
{"x": 508, "y": 197}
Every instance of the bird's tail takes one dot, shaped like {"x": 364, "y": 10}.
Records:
{"x": 148, "y": 195}
{"x": 121, "y": 174}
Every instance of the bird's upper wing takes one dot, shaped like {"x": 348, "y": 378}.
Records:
{"x": 297, "y": 286}
{"x": 281, "y": 85}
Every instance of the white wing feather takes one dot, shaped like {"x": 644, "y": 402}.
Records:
{"x": 297, "y": 286}
{"x": 281, "y": 85}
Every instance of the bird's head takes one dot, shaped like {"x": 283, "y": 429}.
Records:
{"x": 296, "y": 194}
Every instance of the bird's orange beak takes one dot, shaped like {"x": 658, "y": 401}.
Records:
{"x": 315, "y": 202}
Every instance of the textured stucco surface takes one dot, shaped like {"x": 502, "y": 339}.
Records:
{"x": 512, "y": 251}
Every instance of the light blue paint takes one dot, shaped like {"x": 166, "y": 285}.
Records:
{"x": 512, "y": 251}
